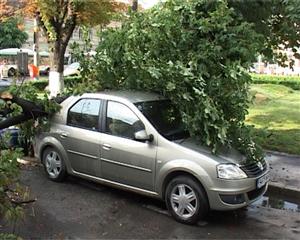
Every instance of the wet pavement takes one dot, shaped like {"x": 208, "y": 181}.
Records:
{"x": 285, "y": 174}
{"x": 79, "y": 209}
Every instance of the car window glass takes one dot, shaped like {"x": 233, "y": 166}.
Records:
{"x": 121, "y": 121}
{"x": 85, "y": 114}
{"x": 165, "y": 117}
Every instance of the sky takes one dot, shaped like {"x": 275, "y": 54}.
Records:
{"x": 145, "y": 3}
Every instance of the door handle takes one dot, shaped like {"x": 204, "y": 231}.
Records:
{"x": 64, "y": 135}
{"x": 106, "y": 146}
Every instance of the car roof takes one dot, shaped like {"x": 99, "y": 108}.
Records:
{"x": 132, "y": 96}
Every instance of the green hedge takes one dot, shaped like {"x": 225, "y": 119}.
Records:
{"x": 42, "y": 84}
{"x": 289, "y": 81}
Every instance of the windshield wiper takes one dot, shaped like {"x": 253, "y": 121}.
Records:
{"x": 177, "y": 134}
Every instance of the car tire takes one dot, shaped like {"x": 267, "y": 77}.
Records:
{"x": 186, "y": 200}
{"x": 11, "y": 72}
{"x": 54, "y": 165}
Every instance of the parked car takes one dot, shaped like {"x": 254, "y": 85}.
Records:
{"x": 44, "y": 70}
{"x": 13, "y": 136}
{"x": 9, "y": 136}
{"x": 72, "y": 70}
{"x": 136, "y": 141}
{"x": 4, "y": 84}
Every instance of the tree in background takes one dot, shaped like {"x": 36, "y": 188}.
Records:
{"x": 278, "y": 21}
{"x": 58, "y": 19}
{"x": 11, "y": 36}
{"x": 6, "y": 10}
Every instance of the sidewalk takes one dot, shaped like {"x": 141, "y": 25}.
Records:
{"x": 285, "y": 174}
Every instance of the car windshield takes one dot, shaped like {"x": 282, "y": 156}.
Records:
{"x": 165, "y": 117}
{"x": 74, "y": 65}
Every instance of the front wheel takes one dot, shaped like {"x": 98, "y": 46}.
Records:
{"x": 11, "y": 72}
{"x": 186, "y": 200}
{"x": 54, "y": 164}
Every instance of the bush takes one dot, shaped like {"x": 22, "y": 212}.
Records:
{"x": 39, "y": 84}
{"x": 69, "y": 82}
{"x": 194, "y": 53}
{"x": 12, "y": 195}
{"x": 288, "y": 81}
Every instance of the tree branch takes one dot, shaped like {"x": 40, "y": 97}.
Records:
{"x": 30, "y": 111}
{"x": 42, "y": 25}
{"x": 70, "y": 24}
{"x": 13, "y": 201}
{"x": 65, "y": 10}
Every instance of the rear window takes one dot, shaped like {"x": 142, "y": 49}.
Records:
{"x": 85, "y": 114}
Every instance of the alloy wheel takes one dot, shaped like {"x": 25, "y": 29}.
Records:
{"x": 53, "y": 164}
{"x": 184, "y": 201}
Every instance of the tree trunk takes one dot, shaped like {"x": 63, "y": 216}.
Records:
{"x": 56, "y": 81}
{"x": 134, "y": 5}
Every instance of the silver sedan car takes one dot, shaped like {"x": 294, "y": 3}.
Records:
{"x": 136, "y": 141}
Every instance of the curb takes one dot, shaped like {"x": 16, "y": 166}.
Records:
{"x": 25, "y": 160}
{"x": 282, "y": 154}
{"x": 286, "y": 191}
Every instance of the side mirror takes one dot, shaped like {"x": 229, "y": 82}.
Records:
{"x": 143, "y": 136}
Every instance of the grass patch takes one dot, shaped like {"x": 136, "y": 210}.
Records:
{"x": 275, "y": 114}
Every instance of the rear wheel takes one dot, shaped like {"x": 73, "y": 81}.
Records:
{"x": 54, "y": 164}
{"x": 186, "y": 200}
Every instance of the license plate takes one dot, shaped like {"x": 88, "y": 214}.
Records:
{"x": 263, "y": 180}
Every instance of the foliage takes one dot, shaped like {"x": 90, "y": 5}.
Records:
{"x": 6, "y": 236}
{"x": 277, "y": 20}
{"x": 6, "y": 10}
{"x": 87, "y": 81}
{"x": 30, "y": 128}
{"x": 275, "y": 116}
{"x": 9, "y": 190}
{"x": 10, "y": 35}
{"x": 12, "y": 195}
{"x": 289, "y": 81}
{"x": 193, "y": 52}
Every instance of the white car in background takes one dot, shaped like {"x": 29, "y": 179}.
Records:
{"x": 72, "y": 69}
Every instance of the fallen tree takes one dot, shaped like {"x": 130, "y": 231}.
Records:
{"x": 30, "y": 110}
{"x": 196, "y": 53}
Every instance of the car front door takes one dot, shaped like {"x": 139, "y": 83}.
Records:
{"x": 123, "y": 159}
{"x": 81, "y": 136}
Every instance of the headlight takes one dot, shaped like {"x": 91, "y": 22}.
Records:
{"x": 230, "y": 171}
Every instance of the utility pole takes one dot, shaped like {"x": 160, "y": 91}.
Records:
{"x": 134, "y": 5}
{"x": 36, "y": 42}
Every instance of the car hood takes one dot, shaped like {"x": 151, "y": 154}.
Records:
{"x": 224, "y": 154}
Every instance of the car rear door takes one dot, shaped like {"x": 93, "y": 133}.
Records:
{"x": 81, "y": 136}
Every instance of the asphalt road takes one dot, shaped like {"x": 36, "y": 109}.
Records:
{"x": 78, "y": 209}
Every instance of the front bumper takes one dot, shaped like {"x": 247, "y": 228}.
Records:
{"x": 234, "y": 194}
